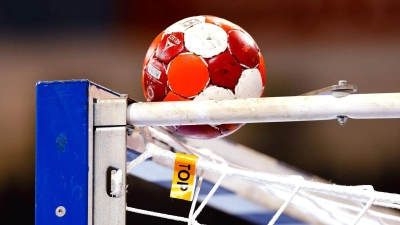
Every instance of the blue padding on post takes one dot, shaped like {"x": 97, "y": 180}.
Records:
{"x": 62, "y": 128}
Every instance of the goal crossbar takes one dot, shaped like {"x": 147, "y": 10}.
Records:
{"x": 271, "y": 109}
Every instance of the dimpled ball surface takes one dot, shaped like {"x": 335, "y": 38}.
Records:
{"x": 203, "y": 58}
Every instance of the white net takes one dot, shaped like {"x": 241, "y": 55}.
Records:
{"x": 283, "y": 190}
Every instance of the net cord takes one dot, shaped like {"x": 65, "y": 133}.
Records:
{"x": 149, "y": 142}
{"x": 322, "y": 202}
{"x": 357, "y": 194}
{"x": 287, "y": 182}
{"x": 286, "y": 203}
{"x": 196, "y": 195}
{"x": 170, "y": 140}
{"x": 212, "y": 191}
{"x": 367, "y": 206}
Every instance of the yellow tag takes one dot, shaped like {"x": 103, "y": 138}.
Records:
{"x": 184, "y": 179}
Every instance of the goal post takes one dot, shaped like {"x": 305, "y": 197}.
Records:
{"x": 72, "y": 158}
{"x": 88, "y": 140}
{"x": 63, "y": 152}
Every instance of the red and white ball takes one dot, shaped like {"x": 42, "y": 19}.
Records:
{"x": 203, "y": 58}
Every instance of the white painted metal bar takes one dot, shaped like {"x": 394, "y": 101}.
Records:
{"x": 109, "y": 210}
{"x": 256, "y": 110}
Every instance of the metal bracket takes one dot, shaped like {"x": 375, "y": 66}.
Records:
{"x": 110, "y": 112}
{"x": 341, "y": 90}
{"x": 109, "y": 156}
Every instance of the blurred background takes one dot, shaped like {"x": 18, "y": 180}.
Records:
{"x": 307, "y": 45}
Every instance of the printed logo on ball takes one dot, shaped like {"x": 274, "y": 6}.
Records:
{"x": 150, "y": 93}
{"x": 154, "y": 71}
{"x": 184, "y": 24}
{"x": 173, "y": 39}
{"x": 190, "y": 22}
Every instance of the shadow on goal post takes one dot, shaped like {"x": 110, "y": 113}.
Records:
{"x": 89, "y": 139}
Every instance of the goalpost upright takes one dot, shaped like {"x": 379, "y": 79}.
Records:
{"x": 70, "y": 188}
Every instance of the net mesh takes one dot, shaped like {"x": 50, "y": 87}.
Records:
{"x": 311, "y": 201}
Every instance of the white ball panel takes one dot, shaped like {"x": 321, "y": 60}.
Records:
{"x": 249, "y": 84}
{"x": 206, "y": 39}
{"x": 215, "y": 93}
{"x": 184, "y": 24}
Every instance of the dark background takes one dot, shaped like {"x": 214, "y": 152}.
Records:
{"x": 307, "y": 45}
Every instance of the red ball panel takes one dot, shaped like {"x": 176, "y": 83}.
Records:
{"x": 226, "y": 25}
{"x": 243, "y": 48}
{"x": 187, "y": 75}
{"x": 171, "y": 128}
{"x": 170, "y": 46}
{"x": 225, "y": 70}
{"x": 152, "y": 49}
{"x": 198, "y": 131}
{"x": 174, "y": 97}
{"x": 261, "y": 67}
{"x": 227, "y": 129}
{"x": 155, "y": 81}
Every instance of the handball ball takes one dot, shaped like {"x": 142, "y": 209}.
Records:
{"x": 203, "y": 58}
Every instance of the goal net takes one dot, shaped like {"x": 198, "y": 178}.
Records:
{"x": 271, "y": 186}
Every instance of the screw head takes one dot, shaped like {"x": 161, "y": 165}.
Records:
{"x": 129, "y": 130}
{"x": 342, "y": 119}
{"x": 60, "y": 211}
